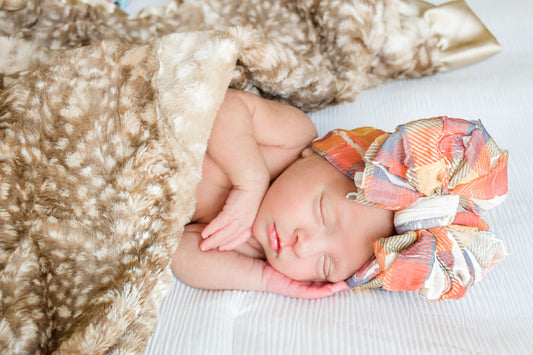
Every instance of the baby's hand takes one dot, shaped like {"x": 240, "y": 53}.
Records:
{"x": 233, "y": 225}
{"x": 275, "y": 282}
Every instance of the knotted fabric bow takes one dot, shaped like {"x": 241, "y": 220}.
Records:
{"x": 440, "y": 176}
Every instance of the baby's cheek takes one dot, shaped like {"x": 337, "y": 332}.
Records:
{"x": 299, "y": 270}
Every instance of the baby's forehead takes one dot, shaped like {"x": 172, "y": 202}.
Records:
{"x": 329, "y": 167}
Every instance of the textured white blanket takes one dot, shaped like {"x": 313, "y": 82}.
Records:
{"x": 497, "y": 315}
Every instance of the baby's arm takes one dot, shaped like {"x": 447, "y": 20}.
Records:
{"x": 230, "y": 270}
{"x": 232, "y": 145}
{"x": 252, "y": 140}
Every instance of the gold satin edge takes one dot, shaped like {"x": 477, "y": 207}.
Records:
{"x": 462, "y": 38}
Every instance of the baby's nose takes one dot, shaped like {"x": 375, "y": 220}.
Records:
{"x": 290, "y": 242}
{"x": 306, "y": 244}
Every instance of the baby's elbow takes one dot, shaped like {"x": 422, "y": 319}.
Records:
{"x": 178, "y": 265}
{"x": 184, "y": 261}
{"x": 311, "y": 131}
{"x": 184, "y": 270}
{"x": 307, "y": 133}
{"x": 306, "y": 127}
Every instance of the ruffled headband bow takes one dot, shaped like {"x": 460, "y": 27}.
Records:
{"x": 440, "y": 176}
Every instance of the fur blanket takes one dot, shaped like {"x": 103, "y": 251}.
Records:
{"x": 336, "y": 49}
{"x": 104, "y": 122}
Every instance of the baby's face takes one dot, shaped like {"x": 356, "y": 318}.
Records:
{"x": 309, "y": 230}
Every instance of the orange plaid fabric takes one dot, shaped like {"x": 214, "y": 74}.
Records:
{"x": 440, "y": 176}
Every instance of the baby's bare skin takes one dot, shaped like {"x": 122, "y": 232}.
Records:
{"x": 311, "y": 235}
{"x": 252, "y": 141}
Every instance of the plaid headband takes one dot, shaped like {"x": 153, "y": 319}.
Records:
{"x": 439, "y": 175}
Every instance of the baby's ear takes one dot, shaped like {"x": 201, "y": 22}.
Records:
{"x": 307, "y": 152}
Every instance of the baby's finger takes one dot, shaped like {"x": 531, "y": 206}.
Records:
{"x": 313, "y": 292}
{"x": 219, "y": 238}
{"x": 319, "y": 291}
{"x": 338, "y": 286}
{"x": 220, "y": 222}
{"x": 237, "y": 240}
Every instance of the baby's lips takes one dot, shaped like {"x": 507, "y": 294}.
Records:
{"x": 274, "y": 238}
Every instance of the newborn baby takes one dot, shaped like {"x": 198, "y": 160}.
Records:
{"x": 355, "y": 209}
{"x": 298, "y": 236}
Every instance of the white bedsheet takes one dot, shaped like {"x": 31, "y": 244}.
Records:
{"x": 496, "y": 317}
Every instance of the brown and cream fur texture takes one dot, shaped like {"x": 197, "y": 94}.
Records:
{"x": 100, "y": 151}
{"x": 104, "y": 121}
{"x": 352, "y": 44}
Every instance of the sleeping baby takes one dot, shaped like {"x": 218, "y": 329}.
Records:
{"x": 279, "y": 212}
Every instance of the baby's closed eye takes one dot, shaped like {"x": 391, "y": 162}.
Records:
{"x": 324, "y": 267}
{"x": 318, "y": 210}
{"x": 327, "y": 267}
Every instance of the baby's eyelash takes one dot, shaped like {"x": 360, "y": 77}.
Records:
{"x": 321, "y": 209}
{"x": 326, "y": 266}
